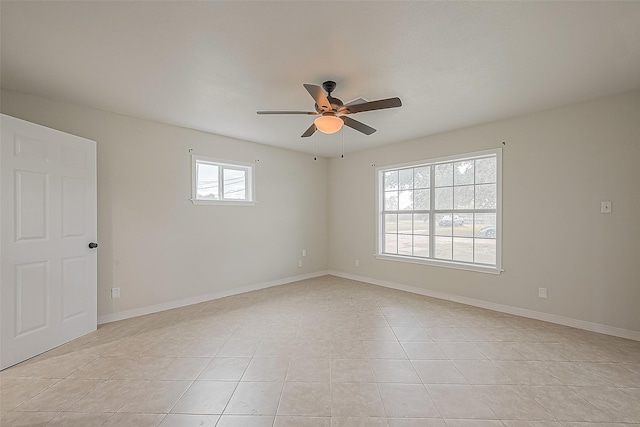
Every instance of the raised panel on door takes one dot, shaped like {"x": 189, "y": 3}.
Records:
{"x": 30, "y": 148}
{"x": 73, "y": 207}
{"x": 31, "y": 297}
{"x": 31, "y": 207}
{"x": 74, "y": 292}
{"x": 74, "y": 156}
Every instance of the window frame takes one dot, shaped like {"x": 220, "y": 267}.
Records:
{"x": 462, "y": 265}
{"x": 247, "y": 168}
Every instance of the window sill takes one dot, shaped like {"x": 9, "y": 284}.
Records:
{"x": 441, "y": 263}
{"x": 223, "y": 202}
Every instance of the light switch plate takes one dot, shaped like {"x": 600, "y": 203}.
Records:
{"x": 605, "y": 206}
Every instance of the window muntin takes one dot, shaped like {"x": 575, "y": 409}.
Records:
{"x": 221, "y": 182}
{"x": 442, "y": 211}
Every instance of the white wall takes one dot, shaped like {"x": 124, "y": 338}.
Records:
{"x": 154, "y": 243}
{"x": 558, "y": 165}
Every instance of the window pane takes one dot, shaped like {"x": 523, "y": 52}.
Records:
{"x": 421, "y": 246}
{"x": 444, "y": 174}
{"x": 391, "y": 180}
{"x": 405, "y": 244}
{"x": 421, "y": 223}
{"x": 444, "y": 198}
{"x": 406, "y": 179}
{"x": 485, "y": 225}
{"x": 391, "y": 223}
{"x": 462, "y": 249}
{"x": 463, "y": 197}
{"x": 391, "y": 243}
{"x": 421, "y": 177}
{"x": 463, "y": 225}
{"x": 391, "y": 201}
{"x": 486, "y": 196}
{"x": 443, "y": 247}
{"x": 485, "y": 251}
{"x": 405, "y": 223}
{"x": 421, "y": 200}
{"x": 486, "y": 170}
{"x": 463, "y": 172}
{"x": 444, "y": 224}
{"x": 234, "y": 184}
{"x": 207, "y": 181}
{"x": 406, "y": 200}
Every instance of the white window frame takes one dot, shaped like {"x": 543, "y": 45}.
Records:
{"x": 379, "y": 189}
{"x": 247, "y": 168}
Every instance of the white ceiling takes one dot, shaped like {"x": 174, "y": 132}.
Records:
{"x": 212, "y": 65}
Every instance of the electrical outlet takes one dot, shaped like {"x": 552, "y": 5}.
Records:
{"x": 357, "y": 263}
{"x": 299, "y": 263}
{"x": 542, "y": 292}
{"x": 115, "y": 292}
{"x": 304, "y": 252}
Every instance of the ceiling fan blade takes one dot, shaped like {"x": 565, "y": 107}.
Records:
{"x": 318, "y": 95}
{"x": 359, "y": 126}
{"x": 310, "y": 113}
{"x": 355, "y": 102}
{"x": 369, "y": 106}
{"x": 309, "y": 131}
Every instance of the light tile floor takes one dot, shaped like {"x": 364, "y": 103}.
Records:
{"x": 328, "y": 352}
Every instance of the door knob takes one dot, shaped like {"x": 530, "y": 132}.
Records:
{"x": 93, "y": 245}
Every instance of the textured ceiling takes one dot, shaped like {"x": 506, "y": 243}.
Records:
{"x": 212, "y": 65}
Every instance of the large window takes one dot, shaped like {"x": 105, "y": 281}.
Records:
{"x": 442, "y": 211}
{"x": 221, "y": 182}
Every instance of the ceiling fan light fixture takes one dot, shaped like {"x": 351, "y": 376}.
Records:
{"x": 328, "y": 124}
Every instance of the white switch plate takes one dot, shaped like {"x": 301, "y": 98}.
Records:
{"x": 304, "y": 252}
{"x": 115, "y": 292}
{"x": 299, "y": 263}
{"x": 605, "y": 206}
{"x": 542, "y": 292}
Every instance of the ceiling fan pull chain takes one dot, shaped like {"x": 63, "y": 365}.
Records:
{"x": 342, "y": 155}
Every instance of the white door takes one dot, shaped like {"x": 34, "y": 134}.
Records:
{"x": 48, "y": 219}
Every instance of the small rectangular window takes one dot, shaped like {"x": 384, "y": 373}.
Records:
{"x": 221, "y": 182}
{"x": 442, "y": 211}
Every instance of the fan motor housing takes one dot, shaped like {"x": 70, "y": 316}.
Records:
{"x": 335, "y": 104}
{"x": 329, "y": 86}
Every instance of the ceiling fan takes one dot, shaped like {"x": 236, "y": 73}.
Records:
{"x": 333, "y": 113}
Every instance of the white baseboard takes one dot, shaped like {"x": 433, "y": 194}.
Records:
{"x": 523, "y": 312}
{"x": 121, "y": 315}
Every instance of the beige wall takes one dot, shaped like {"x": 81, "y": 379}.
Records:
{"x": 558, "y": 165}
{"x": 160, "y": 248}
